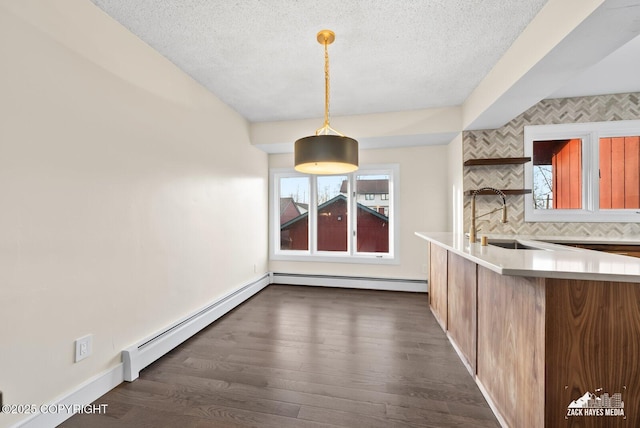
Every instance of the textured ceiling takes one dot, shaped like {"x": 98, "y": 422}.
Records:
{"x": 262, "y": 57}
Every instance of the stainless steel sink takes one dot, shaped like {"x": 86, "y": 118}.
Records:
{"x": 511, "y": 244}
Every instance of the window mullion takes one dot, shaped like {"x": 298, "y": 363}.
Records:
{"x": 594, "y": 183}
{"x": 597, "y": 194}
{"x": 313, "y": 216}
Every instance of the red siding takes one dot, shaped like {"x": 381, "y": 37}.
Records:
{"x": 567, "y": 175}
{"x": 605, "y": 173}
{"x": 295, "y": 237}
{"x": 620, "y": 172}
{"x": 289, "y": 213}
{"x": 332, "y": 227}
{"x": 631, "y": 173}
{"x": 617, "y": 173}
{"x": 373, "y": 231}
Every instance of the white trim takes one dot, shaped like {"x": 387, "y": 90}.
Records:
{"x": 590, "y": 134}
{"x": 352, "y": 256}
{"x": 86, "y": 393}
{"x": 138, "y": 356}
{"x": 275, "y": 175}
{"x": 461, "y": 355}
{"x": 503, "y": 423}
{"x": 387, "y": 284}
{"x": 329, "y": 257}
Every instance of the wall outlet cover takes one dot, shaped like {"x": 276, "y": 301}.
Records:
{"x": 84, "y": 347}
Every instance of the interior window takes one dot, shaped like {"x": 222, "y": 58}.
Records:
{"x": 583, "y": 172}
{"x": 557, "y": 174}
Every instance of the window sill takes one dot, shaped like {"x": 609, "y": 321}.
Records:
{"x": 337, "y": 258}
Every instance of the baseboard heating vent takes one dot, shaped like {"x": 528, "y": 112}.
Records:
{"x": 140, "y": 355}
{"x": 371, "y": 283}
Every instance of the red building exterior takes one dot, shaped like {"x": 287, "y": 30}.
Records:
{"x": 567, "y": 174}
{"x": 619, "y": 171}
{"x": 372, "y": 232}
{"x": 288, "y": 210}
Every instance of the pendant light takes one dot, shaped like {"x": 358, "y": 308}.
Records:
{"x": 327, "y": 152}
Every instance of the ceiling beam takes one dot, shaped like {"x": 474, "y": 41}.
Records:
{"x": 397, "y": 129}
{"x": 565, "y": 39}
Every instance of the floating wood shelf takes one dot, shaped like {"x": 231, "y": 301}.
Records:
{"x": 497, "y": 161}
{"x": 505, "y": 191}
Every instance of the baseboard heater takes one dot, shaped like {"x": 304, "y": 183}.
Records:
{"x": 371, "y": 283}
{"x": 139, "y": 356}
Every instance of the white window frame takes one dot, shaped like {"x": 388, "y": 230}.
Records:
{"x": 351, "y": 255}
{"x": 590, "y": 133}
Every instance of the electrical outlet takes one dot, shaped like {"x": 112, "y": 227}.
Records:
{"x": 84, "y": 346}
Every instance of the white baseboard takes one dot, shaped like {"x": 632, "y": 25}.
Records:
{"x": 461, "y": 355}
{"x": 63, "y": 408}
{"x": 138, "y": 356}
{"x": 492, "y": 405}
{"x": 388, "y": 284}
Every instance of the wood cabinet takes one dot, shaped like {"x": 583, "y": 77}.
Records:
{"x": 452, "y": 297}
{"x": 592, "y": 340}
{"x": 621, "y": 249}
{"x": 511, "y": 366}
{"x": 534, "y": 345}
{"x": 438, "y": 283}
{"x": 461, "y": 308}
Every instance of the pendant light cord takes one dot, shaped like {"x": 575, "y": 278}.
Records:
{"x": 326, "y": 128}
{"x": 326, "y": 85}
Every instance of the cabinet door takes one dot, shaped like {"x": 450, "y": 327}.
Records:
{"x": 438, "y": 283}
{"x": 461, "y": 307}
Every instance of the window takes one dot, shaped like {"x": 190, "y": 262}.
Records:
{"x": 332, "y": 218}
{"x": 385, "y": 196}
{"x": 294, "y": 204}
{"x": 585, "y": 172}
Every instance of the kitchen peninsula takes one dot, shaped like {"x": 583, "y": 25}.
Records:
{"x": 544, "y": 329}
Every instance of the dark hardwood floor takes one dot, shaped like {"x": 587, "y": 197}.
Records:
{"x": 306, "y": 357}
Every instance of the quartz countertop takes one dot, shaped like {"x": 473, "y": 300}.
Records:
{"x": 548, "y": 260}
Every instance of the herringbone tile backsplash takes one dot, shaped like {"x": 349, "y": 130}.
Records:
{"x": 508, "y": 141}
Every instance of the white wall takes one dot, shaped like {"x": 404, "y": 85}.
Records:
{"x": 455, "y": 185}
{"x": 130, "y": 196}
{"x": 424, "y": 207}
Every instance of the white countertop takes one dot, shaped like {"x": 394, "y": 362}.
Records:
{"x": 550, "y": 261}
